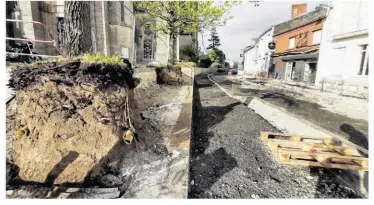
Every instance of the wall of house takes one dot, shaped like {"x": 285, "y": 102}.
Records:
{"x": 160, "y": 42}
{"x": 250, "y": 64}
{"x": 304, "y": 36}
{"x": 345, "y": 31}
{"x": 263, "y": 55}
{"x": 279, "y": 68}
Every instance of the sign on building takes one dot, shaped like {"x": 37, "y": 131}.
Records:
{"x": 125, "y": 52}
{"x": 271, "y": 45}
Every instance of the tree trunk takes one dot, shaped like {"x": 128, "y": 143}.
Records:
{"x": 173, "y": 48}
{"x": 77, "y": 28}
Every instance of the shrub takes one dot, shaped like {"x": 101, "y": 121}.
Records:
{"x": 216, "y": 65}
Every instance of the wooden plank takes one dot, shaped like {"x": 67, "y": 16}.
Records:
{"x": 324, "y": 154}
{"x": 85, "y": 190}
{"x": 296, "y": 137}
{"x": 315, "y": 147}
{"x": 264, "y": 136}
{"x": 328, "y": 165}
{"x": 82, "y": 195}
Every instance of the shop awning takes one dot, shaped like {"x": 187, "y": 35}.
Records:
{"x": 311, "y": 56}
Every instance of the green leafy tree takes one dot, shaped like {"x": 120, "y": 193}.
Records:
{"x": 216, "y": 55}
{"x": 175, "y": 17}
{"x": 236, "y": 64}
{"x": 214, "y": 40}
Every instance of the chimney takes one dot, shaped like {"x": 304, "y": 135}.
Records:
{"x": 297, "y": 10}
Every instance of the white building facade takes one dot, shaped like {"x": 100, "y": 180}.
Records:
{"x": 344, "y": 51}
{"x": 249, "y": 59}
{"x": 257, "y": 57}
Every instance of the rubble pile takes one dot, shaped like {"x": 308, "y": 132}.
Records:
{"x": 71, "y": 117}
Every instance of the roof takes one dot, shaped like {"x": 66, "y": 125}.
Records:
{"x": 248, "y": 48}
{"x": 267, "y": 30}
{"x": 318, "y": 14}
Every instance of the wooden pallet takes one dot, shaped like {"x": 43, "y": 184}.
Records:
{"x": 315, "y": 151}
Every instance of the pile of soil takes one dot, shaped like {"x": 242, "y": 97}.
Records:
{"x": 70, "y": 118}
{"x": 170, "y": 75}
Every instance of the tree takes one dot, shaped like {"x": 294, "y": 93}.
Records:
{"x": 235, "y": 64}
{"x": 216, "y": 55}
{"x": 175, "y": 17}
{"x": 214, "y": 39}
{"x": 77, "y": 28}
{"x": 189, "y": 53}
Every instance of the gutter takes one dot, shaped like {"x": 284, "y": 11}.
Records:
{"x": 351, "y": 34}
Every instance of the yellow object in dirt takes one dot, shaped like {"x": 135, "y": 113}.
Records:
{"x": 23, "y": 131}
{"x": 128, "y": 137}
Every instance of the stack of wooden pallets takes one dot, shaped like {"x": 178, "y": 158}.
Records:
{"x": 313, "y": 151}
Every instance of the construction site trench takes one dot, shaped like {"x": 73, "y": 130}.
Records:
{"x": 68, "y": 137}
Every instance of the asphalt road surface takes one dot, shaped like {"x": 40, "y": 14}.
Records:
{"x": 228, "y": 160}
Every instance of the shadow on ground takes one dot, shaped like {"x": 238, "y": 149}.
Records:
{"x": 206, "y": 168}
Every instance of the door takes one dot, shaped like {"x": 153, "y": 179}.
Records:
{"x": 310, "y": 72}
{"x": 289, "y": 69}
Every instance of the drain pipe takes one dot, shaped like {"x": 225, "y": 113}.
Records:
{"x": 104, "y": 27}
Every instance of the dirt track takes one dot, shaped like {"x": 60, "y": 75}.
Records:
{"x": 229, "y": 161}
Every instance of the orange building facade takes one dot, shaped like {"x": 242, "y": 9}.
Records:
{"x": 303, "y": 37}
{"x": 297, "y": 45}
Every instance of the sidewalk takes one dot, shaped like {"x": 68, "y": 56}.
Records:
{"x": 349, "y": 106}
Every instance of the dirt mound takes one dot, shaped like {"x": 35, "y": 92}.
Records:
{"x": 70, "y": 116}
{"x": 171, "y": 75}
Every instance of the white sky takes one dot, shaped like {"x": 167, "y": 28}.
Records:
{"x": 250, "y": 21}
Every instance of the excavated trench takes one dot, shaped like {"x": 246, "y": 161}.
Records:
{"x": 69, "y": 126}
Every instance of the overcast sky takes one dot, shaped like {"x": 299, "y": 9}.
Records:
{"x": 250, "y": 21}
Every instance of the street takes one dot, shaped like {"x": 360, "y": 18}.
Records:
{"x": 228, "y": 160}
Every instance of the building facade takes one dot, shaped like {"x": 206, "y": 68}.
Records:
{"x": 112, "y": 26}
{"x": 344, "y": 54}
{"x": 297, "y": 46}
{"x": 154, "y": 47}
{"x": 249, "y": 59}
{"x": 257, "y": 57}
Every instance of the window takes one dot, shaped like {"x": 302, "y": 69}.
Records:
{"x": 364, "y": 64}
{"x": 292, "y": 43}
{"x": 317, "y": 37}
{"x": 122, "y": 12}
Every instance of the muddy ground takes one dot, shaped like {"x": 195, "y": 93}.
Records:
{"x": 228, "y": 160}
{"x": 354, "y": 130}
{"x": 137, "y": 169}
